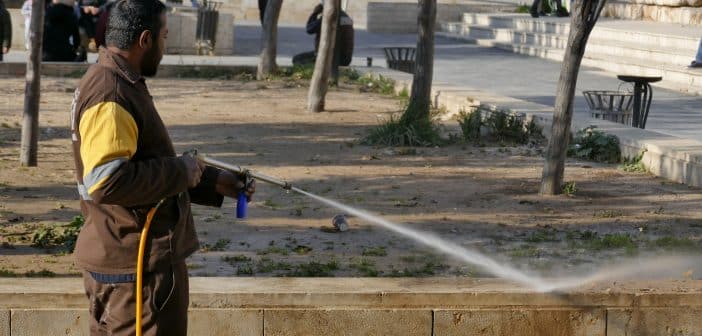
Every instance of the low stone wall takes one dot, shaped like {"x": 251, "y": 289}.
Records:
{"x": 181, "y": 37}
{"x": 377, "y": 306}
{"x": 394, "y": 17}
{"x": 648, "y": 10}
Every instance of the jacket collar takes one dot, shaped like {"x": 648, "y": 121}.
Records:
{"x": 114, "y": 61}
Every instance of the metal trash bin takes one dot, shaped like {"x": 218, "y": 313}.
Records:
{"x": 207, "y": 23}
{"x": 615, "y": 106}
{"x": 401, "y": 58}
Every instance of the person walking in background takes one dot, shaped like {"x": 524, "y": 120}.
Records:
{"x": 61, "y": 37}
{"x": 5, "y": 30}
{"x": 697, "y": 63}
{"x": 27, "y": 14}
{"x": 535, "y": 11}
{"x": 262, "y": 9}
{"x": 346, "y": 38}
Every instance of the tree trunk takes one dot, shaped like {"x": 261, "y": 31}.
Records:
{"x": 583, "y": 18}
{"x": 420, "y": 100}
{"x": 269, "y": 40}
{"x": 325, "y": 55}
{"x": 30, "y": 122}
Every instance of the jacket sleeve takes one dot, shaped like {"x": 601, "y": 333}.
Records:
{"x": 204, "y": 193}
{"x": 109, "y": 137}
{"x": 7, "y": 29}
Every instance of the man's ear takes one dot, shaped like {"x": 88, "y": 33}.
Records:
{"x": 146, "y": 39}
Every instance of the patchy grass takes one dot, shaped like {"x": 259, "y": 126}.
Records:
{"x": 315, "y": 269}
{"x": 570, "y": 188}
{"x": 274, "y": 250}
{"x": 365, "y": 267}
{"x": 395, "y": 133}
{"x": 376, "y": 84}
{"x": 246, "y": 269}
{"x": 608, "y": 214}
{"x": 611, "y": 241}
{"x": 674, "y": 243}
{"x": 525, "y": 251}
{"x": 634, "y": 165}
{"x": 302, "y": 249}
{"x": 219, "y": 245}
{"x": 378, "y": 251}
{"x": 542, "y": 236}
{"x": 267, "y": 265}
{"x": 591, "y": 144}
{"x": 44, "y": 273}
{"x": 65, "y": 236}
{"x": 232, "y": 260}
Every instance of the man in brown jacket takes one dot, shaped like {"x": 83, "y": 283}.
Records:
{"x": 125, "y": 165}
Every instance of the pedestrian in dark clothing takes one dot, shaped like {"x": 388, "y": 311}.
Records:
{"x": 345, "y": 42}
{"x": 101, "y": 27}
{"x": 5, "y": 30}
{"x": 61, "y": 38}
{"x": 126, "y": 169}
{"x": 535, "y": 12}
{"x": 262, "y": 9}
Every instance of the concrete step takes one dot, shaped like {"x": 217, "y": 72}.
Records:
{"x": 615, "y": 46}
{"x": 597, "y": 44}
{"x": 605, "y": 30}
{"x": 674, "y": 77}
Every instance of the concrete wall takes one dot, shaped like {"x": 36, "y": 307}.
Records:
{"x": 17, "y": 29}
{"x": 297, "y": 11}
{"x": 377, "y": 306}
{"x": 182, "y": 26}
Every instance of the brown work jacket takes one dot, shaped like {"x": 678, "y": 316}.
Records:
{"x": 126, "y": 164}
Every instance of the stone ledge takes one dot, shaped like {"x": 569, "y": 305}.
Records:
{"x": 378, "y": 306}
{"x": 534, "y": 322}
{"x": 630, "y": 11}
{"x": 368, "y": 293}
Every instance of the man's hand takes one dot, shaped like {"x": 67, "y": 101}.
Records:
{"x": 5, "y": 50}
{"x": 194, "y": 169}
{"x": 230, "y": 185}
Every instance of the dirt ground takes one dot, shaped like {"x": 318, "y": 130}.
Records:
{"x": 483, "y": 198}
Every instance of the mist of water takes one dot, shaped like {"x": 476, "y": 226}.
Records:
{"x": 629, "y": 270}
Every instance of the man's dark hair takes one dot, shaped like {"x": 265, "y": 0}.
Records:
{"x": 129, "y": 18}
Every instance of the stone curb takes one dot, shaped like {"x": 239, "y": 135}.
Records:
{"x": 378, "y": 306}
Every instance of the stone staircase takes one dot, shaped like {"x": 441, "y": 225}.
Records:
{"x": 615, "y": 46}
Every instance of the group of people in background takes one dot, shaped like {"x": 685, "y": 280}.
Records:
{"x": 71, "y": 28}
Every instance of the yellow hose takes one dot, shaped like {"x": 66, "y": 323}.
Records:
{"x": 140, "y": 267}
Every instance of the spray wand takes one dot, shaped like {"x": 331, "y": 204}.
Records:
{"x": 241, "y": 204}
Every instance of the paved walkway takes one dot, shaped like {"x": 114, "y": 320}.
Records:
{"x": 530, "y": 79}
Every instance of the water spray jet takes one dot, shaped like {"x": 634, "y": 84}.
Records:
{"x": 670, "y": 264}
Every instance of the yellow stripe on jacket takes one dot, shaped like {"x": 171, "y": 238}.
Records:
{"x": 108, "y": 138}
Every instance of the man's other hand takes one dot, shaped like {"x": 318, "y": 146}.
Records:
{"x": 230, "y": 185}
{"x": 194, "y": 168}
{"x": 5, "y": 50}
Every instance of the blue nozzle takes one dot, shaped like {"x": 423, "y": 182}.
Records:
{"x": 241, "y": 205}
